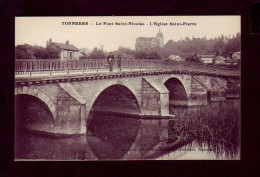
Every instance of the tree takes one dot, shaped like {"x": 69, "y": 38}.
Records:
{"x": 233, "y": 45}
{"x": 126, "y": 50}
{"x": 53, "y": 52}
{"x": 140, "y": 55}
{"x": 84, "y": 56}
{"x": 193, "y": 58}
{"x": 25, "y": 51}
{"x": 124, "y": 53}
{"x": 97, "y": 54}
{"x": 153, "y": 55}
{"x": 219, "y": 45}
{"x": 40, "y": 52}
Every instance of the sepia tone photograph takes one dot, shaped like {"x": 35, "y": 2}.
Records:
{"x": 127, "y": 88}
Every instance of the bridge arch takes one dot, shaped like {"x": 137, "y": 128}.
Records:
{"x": 111, "y": 130}
{"x": 106, "y": 85}
{"x": 178, "y": 96}
{"x": 181, "y": 79}
{"x": 40, "y": 95}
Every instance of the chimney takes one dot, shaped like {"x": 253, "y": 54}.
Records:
{"x": 67, "y": 42}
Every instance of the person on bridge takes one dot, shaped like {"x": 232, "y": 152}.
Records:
{"x": 119, "y": 63}
{"x": 110, "y": 60}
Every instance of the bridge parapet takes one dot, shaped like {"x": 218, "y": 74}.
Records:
{"x": 31, "y": 67}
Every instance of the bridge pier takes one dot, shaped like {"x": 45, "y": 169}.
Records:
{"x": 155, "y": 98}
{"x": 71, "y": 109}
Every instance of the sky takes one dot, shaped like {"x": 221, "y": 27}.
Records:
{"x": 37, "y": 30}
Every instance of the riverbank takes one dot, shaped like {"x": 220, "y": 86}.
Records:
{"x": 215, "y": 124}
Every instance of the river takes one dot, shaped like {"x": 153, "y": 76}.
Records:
{"x": 33, "y": 146}
{"x": 112, "y": 136}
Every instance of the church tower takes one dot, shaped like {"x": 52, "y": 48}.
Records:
{"x": 159, "y": 38}
{"x": 48, "y": 42}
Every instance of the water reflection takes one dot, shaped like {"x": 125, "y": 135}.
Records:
{"x": 38, "y": 146}
{"x": 204, "y": 150}
{"x": 111, "y": 136}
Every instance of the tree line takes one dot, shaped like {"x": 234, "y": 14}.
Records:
{"x": 27, "y": 51}
{"x": 187, "y": 48}
{"x": 123, "y": 53}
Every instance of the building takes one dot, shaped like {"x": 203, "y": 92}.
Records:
{"x": 236, "y": 55}
{"x": 147, "y": 43}
{"x": 207, "y": 58}
{"x": 236, "y": 59}
{"x": 68, "y": 51}
{"x": 175, "y": 58}
{"x": 220, "y": 60}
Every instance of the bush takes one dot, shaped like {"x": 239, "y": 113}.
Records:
{"x": 218, "y": 123}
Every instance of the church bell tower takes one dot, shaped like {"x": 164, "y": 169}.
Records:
{"x": 159, "y": 38}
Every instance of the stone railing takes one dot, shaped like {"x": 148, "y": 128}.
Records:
{"x": 191, "y": 66}
{"x": 43, "y": 66}
{"x": 48, "y": 66}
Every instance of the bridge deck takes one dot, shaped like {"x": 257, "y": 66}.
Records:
{"x": 53, "y": 70}
{"x": 105, "y": 75}
{"x": 73, "y": 73}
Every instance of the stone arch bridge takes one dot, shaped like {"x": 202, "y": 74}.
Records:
{"x": 147, "y": 95}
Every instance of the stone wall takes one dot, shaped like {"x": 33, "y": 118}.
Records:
{"x": 215, "y": 87}
{"x": 196, "y": 86}
{"x": 44, "y": 93}
{"x": 150, "y": 99}
{"x": 218, "y": 90}
{"x": 69, "y": 113}
{"x": 198, "y": 94}
{"x": 90, "y": 90}
{"x": 233, "y": 88}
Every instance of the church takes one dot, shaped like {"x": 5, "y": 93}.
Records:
{"x": 147, "y": 43}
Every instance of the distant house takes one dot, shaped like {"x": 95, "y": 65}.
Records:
{"x": 68, "y": 51}
{"x": 236, "y": 55}
{"x": 219, "y": 60}
{"x": 175, "y": 58}
{"x": 207, "y": 58}
{"x": 236, "y": 58}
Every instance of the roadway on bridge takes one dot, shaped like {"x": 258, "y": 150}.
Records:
{"x": 73, "y": 72}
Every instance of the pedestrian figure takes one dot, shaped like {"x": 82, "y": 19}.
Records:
{"x": 119, "y": 63}
{"x": 110, "y": 60}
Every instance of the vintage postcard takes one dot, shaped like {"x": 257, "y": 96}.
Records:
{"x": 127, "y": 88}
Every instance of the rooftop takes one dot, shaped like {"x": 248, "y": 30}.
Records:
{"x": 207, "y": 56}
{"x": 145, "y": 38}
{"x": 238, "y": 54}
{"x": 65, "y": 46}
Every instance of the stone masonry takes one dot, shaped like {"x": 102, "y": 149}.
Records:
{"x": 150, "y": 98}
{"x": 69, "y": 113}
{"x": 70, "y": 101}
